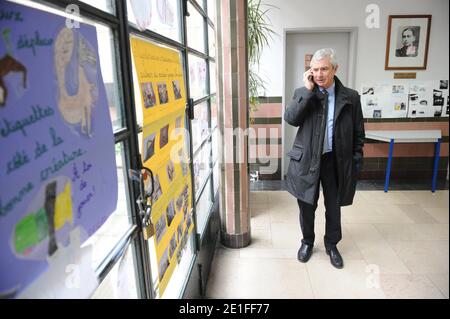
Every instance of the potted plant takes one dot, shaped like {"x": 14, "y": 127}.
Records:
{"x": 259, "y": 32}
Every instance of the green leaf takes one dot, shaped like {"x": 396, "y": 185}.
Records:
{"x": 259, "y": 33}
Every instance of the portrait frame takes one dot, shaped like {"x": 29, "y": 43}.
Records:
{"x": 411, "y": 53}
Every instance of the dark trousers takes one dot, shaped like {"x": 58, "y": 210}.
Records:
{"x": 328, "y": 179}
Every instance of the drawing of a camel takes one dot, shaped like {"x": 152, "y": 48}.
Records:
{"x": 9, "y": 64}
{"x": 72, "y": 61}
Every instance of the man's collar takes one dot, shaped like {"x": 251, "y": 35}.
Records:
{"x": 330, "y": 90}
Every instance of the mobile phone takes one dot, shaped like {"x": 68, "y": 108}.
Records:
{"x": 311, "y": 78}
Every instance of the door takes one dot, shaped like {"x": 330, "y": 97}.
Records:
{"x": 298, "y": 45}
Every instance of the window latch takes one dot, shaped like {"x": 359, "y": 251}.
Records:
{"x": 190, "y": 108}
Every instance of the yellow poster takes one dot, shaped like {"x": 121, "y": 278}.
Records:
{"x": 164, "y": 151}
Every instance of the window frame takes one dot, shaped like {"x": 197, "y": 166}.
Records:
{"x": 128, "y": 134}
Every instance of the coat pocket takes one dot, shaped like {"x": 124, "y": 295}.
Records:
{"x": 297, "y": 165}
{"x": 295, "y": 154}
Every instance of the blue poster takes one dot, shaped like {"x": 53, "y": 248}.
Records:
{"x": 57, "y": 164}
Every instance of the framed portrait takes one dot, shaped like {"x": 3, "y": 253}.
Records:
{"x": 407, "y": 42}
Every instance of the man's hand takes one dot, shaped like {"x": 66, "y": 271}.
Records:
{"x": 308, "y": 80}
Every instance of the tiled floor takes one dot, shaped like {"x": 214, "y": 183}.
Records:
{"x": 367, "y": 185}
{"x": 395, "y": 245}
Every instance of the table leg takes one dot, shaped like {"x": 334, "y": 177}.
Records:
{"x": 388, "y": 168}
{"x": 437, "y": 152}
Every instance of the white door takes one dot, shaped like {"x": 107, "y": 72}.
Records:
{"x": 298, "y": 45}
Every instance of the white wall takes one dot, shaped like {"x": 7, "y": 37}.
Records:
{"x": 371, "y": 43}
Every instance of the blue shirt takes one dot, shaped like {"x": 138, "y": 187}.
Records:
{"x": 330, "y": 115}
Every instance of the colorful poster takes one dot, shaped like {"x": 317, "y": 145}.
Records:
{"x": 58, "y": 179}
{"x": 197, "y": 77}
{"x": 164, "y": 151}
{"x": 142, "y": 11}
{"x": 159, "y": 16}
{"x": 166, "y": 12}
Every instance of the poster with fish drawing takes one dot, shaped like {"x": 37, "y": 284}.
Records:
{"x": 57, "y": 166}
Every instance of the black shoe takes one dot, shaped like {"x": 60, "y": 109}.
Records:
{"x": 304, "y": 253}
{"x": 335, "y": 258}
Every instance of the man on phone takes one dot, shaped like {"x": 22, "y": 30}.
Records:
{"x": 328, "y": 150}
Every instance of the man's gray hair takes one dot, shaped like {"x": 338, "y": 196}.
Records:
{"x": 325, "y": 53}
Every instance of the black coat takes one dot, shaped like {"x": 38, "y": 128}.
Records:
{"x": 308, "y": 111}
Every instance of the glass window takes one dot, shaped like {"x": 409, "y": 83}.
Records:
{"x": 212, "y": 10}
{"x": 212, "y": 77}
{"x": 199, "y": 125}
{"x": 215, "y": 145}
{"x": 195, "y": 29}
{"x": 140, "y": 141}
{"x": 106, "y": 237}
{"x": 165, "y": 18}
{"x": 197, "y": 77}
{"x": 203, "y": 208}
{"x": 201, "y": 165}
{"x": 213, "y": 111}
{"x": 160, "y": 16}
{"x": 120, "y": 283}
{"x": 108, "y": 63}
{"x": 137, "y": 96}
{"x": 200, "y": 3}
{"x": 105, "y": 5}
{"x": 211, "y": 42}
{"x": 216, "y": 176}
